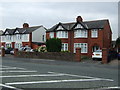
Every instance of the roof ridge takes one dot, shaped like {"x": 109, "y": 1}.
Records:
{"x": 96, "y": 20}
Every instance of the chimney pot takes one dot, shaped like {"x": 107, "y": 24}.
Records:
{"x": 25, "y": 25}
{"x": 79, "y": 19}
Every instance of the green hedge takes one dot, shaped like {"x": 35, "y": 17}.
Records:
{"x": 53, "y": 45}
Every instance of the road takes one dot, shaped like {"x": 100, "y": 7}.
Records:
{"x": 22, "y": 73}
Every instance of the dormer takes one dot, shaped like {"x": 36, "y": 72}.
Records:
{"x": 78, "y": 26}
{"x": 6, "y": 32}
{"x": 60, "y": 28}
{"x": 16, "y": 32}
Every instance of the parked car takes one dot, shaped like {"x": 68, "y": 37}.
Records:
{"x": 118, "y": 55}
{"x": 97, "y": 54}
{"x": 12, "y": 52}
{"x": 27, "y": 49}
{"x": 7, "y": 50}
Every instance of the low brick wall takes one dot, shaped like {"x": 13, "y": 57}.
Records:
{"x": 47, "y": 55}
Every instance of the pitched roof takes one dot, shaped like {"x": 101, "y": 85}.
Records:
{"x": 98, "y": 24}
{"x": 27, "y": 30}
{"x": 21, "y": 30}
{"x": 10, "y": 31}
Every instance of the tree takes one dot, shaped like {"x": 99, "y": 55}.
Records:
{"x": 53, "y": 45}
{"x": 118, "y": 43}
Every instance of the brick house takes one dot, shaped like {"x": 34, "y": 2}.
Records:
{"x": 1, "y": 32}
{"x": 88, "y": 35}
{"x": 26, "y": 36}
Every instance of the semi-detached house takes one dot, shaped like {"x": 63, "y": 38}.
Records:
{"x": 88, "y": 35}
{"x": 26, "y": 36}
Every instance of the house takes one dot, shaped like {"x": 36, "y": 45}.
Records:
{"x": 1, "y": 32}
{"x": 88, "y": 35}
{"x": 26, "y": 36}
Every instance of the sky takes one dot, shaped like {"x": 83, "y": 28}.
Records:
{"x": 14, "y": 14}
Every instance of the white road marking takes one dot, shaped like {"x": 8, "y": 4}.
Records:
{"x": 43, "y": 60}
{"x": 114, "y": 87}
{"x": 11, "y": 68}
{"x": 81, "y": 76}
{"x": 16, "y": 71}
{"x": 42, "y": 75}
{"x": 54, "y": 81}
{"x": 11, "y": 87}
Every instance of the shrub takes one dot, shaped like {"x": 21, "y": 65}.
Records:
{"x": 65, "y": 51}
{"x": 42, "y": 49}
{"x": 53, "y": 45}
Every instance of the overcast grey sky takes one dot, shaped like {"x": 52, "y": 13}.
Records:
{"x": 14, "y": 14}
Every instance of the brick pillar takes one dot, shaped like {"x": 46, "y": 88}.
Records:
{"x": 78, "y": 54}
{"x": 15, "y": 51}
{"x": 104, "y": 55}
{"x": 2, "y": 52}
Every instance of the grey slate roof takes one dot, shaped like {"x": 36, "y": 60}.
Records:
{"x": 21, "y": 30}
{"x": 10, "y": 31}
{"x": 98, "y": 24}
{"x": 27, "y": 30}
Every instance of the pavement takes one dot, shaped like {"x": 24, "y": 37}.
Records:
{"x": 35, "y": 74}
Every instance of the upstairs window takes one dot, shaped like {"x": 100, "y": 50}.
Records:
{"x": 2, "y": 38}
{"x": 94, "y": 33}
{"x": 25, "y": 36}
{"x": 19, "y": 37}
{"x": 80, "y": 33}
{"x": 8, "y": 37}
{"x": 62, "y": 34}
{"x": 51, "y": 34}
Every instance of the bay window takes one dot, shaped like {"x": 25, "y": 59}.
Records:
{"x": 83, "y": 47}
{"x": 51, "y": 34}
{"x": 80, "y": 33}
{"x": 62, "y": 34}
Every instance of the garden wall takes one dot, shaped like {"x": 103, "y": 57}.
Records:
{"x": 47, "y": 55}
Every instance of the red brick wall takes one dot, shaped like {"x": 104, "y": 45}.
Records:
{"x": 3, "y": 44}
{"x": 107, "y": 36}
{"x": 34, "y": 46}
{"x": 94, "y": 41}
{"x": 26, "y": 43}
{"x": 13, "y": 44}
{"x": 102, "y": 40}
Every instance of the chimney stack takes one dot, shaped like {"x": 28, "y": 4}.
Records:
{"x": 25, "y": 25}
{"x": 79, "y": 19}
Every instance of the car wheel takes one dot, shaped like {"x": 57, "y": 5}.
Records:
{"x": 93, "y": 58}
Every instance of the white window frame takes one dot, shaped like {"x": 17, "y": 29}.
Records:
{"x": 2, "y": 38}
{"x": 18, "y": 45}
{"x": 64, "y": 47}
{"x": 94, "y": 33}
{"x": 18, "y": 36}
{"x": 62, "y": 34}
{"x": 8, "y": 45}
{"x": 83, "y": 46}
{"x": 80, "y": 33}
{"x": 51, "y": 35}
